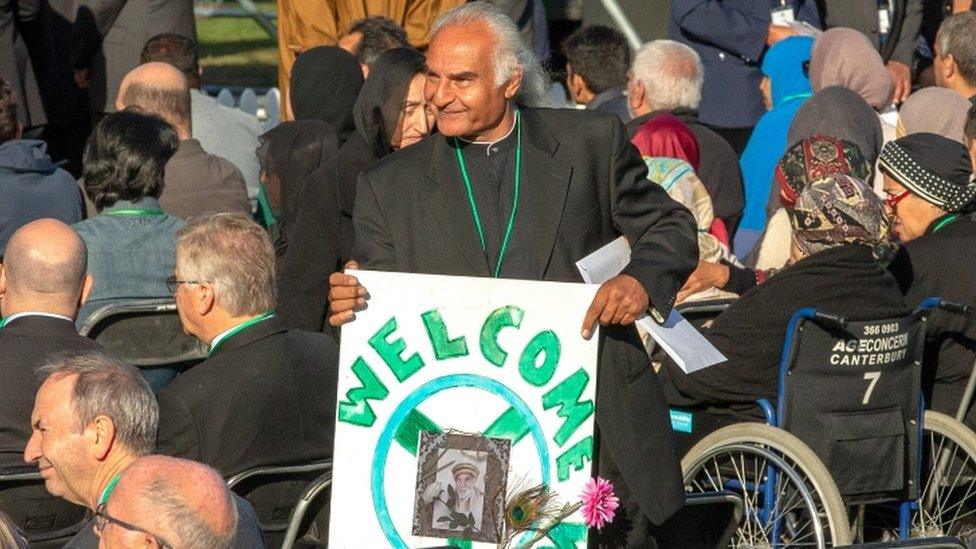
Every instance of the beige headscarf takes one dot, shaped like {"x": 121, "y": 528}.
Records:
{"x": 845, "y": 57}
{"x": 934, "y": 110}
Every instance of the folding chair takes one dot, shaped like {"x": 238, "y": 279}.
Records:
{"x": 45, "y": 520}
{"x": 146, "y": 333}
{"x": 277, "y": 493}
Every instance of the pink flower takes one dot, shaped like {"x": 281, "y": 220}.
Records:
{"x": 599, "y": 503}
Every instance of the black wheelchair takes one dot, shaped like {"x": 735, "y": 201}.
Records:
{"x": 848, "y": 429}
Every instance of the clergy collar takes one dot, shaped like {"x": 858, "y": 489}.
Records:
{"x": 489, "y": 148}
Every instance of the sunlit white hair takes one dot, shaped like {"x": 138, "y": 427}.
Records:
{"x": 511, "y": 52}
{"x": 671, "y": 72}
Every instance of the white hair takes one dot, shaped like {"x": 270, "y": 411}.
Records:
{"x": 511, "y": 52}
{"x": 671, "y": 72}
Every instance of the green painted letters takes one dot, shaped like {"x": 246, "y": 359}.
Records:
{"x": 544, "y": 342}
{"x": 444, "y": 346}
{"x": 501, "y": 317}
{"x": 566, "y": 395}
{"x": 390, "y": 352}
{"x": 576, "y": 457}
{"x": 355, "y": 409}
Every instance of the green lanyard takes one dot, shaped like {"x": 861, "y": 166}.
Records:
{"x": 3, "y": 321}
{"x": 935, "y": 229}
{"x": 134, "y": 213}
{"x": 108, "y": 488}
{"x": 474, "y": 205}
{"x": 238, "y": 329}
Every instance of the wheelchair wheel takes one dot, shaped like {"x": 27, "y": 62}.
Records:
{"x": 790, "y": 499}
{"x": 947, "y": 500}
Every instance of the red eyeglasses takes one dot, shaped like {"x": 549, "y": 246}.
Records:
{"x": 893, "y": 201}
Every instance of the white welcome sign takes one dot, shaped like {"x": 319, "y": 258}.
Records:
{"x": 455, "y": 393}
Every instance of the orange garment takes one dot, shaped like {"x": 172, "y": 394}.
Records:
{"x": 304, "y": 24}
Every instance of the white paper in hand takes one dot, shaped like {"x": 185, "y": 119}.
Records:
{"x": 683, "y": 343}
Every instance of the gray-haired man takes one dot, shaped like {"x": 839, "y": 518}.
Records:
{"x": 93, "y": 417}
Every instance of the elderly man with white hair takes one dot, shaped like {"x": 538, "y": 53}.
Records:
{"x": 507, "y": 190}
{"x": 666, "y": 77}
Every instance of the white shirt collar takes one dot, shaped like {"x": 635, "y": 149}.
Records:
{"x": 15, "y": 316}
{"x": 502, "y": 138}
{"x": 221, "y": 336}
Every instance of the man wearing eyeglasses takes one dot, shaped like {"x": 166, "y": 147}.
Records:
{"x": 94, "y": 416}
{"x": 169, "y": 502}
{"x": 266, "y": 394}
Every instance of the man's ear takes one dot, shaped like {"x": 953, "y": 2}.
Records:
{"x": 949, "y": 67}
{"x": 205, "y": 298}
{"x": 513, "y": 84}
{"x": 102, "y": 436}
{"x": 635, "y": 94}
{"x": 3, "y": 281}
{"x": 86, "y": 288}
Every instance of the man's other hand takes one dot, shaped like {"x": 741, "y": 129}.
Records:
{"x": 777, "y": 33}
{"x": 620, "y": 300}
{"x": 901, "y": 74}
{"x": 346, "y": 296}
{"x": 706, "y": 276}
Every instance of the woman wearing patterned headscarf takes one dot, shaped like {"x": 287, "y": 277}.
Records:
{"x": 929, "y": 188}
{"x": 807, "y": 160}
{"x": 840, "y": 232}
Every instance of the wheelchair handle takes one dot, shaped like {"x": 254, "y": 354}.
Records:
{"x": 948, "y": 306}
{"x": 826, "y": 318}
{"x": 955, "y": 308}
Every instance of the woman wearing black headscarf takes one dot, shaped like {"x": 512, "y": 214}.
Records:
{"x": 289, "y": 154}
{"x": 391, "y": 113}
{"x": 325, "y": 82}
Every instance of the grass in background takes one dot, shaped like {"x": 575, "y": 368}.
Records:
{"x": 237, "y": 51}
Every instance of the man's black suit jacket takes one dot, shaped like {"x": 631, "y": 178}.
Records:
{"x": 585, "y": 185}
{"x": 266, "y": 397}
{"x": 26, "y": 343}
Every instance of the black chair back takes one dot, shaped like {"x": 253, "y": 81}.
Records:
{"x": 274, "y": 492}
{"x": 145, "y": 333}
{"x": 45, "y": 520}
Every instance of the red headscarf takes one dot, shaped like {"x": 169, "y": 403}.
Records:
{"x": 665, "y": 135}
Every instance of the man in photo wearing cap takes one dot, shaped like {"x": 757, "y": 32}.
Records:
{"x": 930, "y": 192}
{"x": 469, "y": 498}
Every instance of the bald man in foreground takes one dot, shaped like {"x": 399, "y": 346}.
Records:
{"x": 196, "y": 182}
{"x": 43, "y": 281}
{"x": 178, "y": 502}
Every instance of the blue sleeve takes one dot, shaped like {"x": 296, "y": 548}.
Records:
{"x": 728, "y": 28}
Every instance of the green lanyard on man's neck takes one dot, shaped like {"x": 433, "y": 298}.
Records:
{"x": 473, "y": 204}
{"x": 238, "y": 329}
{"x": 108, "y": 488}
{"x": 134, "y": 212}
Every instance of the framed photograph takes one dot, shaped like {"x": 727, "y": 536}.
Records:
{"x": 461, "y": 486}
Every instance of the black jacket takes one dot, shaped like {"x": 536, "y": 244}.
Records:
{"x": 719, "y": 166}
{"x": 846, "y": 281}
{"x": 27, "y": 343}
{"x": 941, "y": 264}
{"x": 266, "y": 397}
{"x": 905, "y": 21}
{"x": 585, "y": 185}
